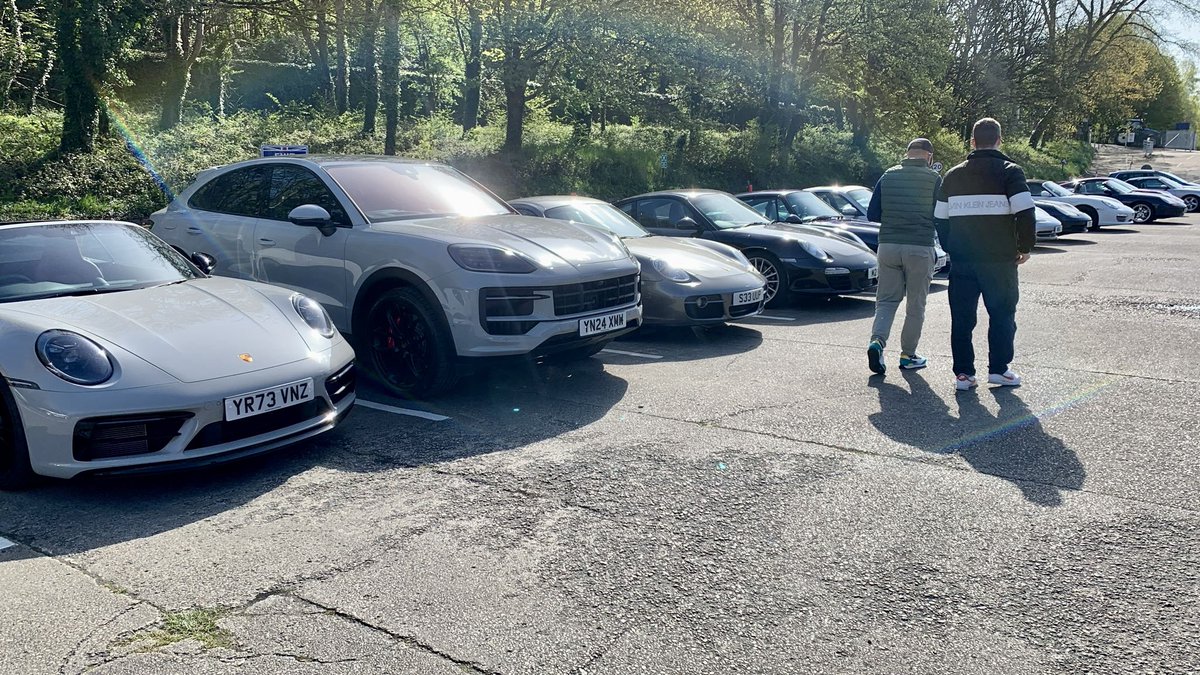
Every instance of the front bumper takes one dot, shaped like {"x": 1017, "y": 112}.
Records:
{"x": 1170, "y": 211}
{"x": 188, "y": 420}
{"x": 665, "y": 303}
{"x": 1115, "y": 216}
{"x": 829, "y": 279}
{"x": 1075, "y": 226}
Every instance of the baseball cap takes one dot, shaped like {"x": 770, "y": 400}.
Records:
{"x": 921, "y": 144}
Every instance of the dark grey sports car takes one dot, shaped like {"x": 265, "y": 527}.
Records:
{"x": 684, "y": 281}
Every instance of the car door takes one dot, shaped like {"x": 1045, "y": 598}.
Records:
{"x": 221, "y": 219}
{"x": 768, "y": 207}
{"x": 661, "y": 215}
{"x": 301, "y": 257}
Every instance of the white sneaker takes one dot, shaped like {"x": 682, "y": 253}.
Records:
{"x": 1008, "y": 379}
{"x": 965, "y": 382}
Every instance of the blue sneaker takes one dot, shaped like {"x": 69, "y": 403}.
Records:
{"x": 875, "y": 357}
{"x": 913, "y": 362}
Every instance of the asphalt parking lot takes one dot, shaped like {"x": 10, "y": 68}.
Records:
{"x": 743, "y": 499}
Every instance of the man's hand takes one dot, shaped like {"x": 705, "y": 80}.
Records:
{"x": 1022, "y": 258}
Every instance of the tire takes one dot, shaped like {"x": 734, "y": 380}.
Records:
{"x": 778, "y": 289}
{"x": 1142, "y": 212}
{"x": 1091, "y": 213}
{"x": 15, "y": 470}
{"x": 408, "y": 347}
{"x": 1192, "y": 202}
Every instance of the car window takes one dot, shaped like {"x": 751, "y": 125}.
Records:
{"x": 766, "y": 206}
{"x": 1035, "y": 188}
{"x": 240, "y": 192}
{"x": 390, "y": 191}
{"x": 861, "y": 197}
{"x": 660, "y": 213}
{"x": 725, "y": 211}
{"x": 1092, "y": 188}
{"x": 601, "y": 215}
{"x": 808, "y": 205}
{"x": 293, "y": 186}
{"x": 525, "y": 210}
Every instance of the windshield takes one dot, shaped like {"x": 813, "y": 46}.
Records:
{"x": 1171, "y": 184}
{"x": 1056, "y": 189}
{"x": 46, "y": 261}
{"x": 598, "y": 214}
{"x": 1119, "y": 186}
{"x": 386, "y": 191}
{"x": 1177, "y": 179}
{"x": 861, "y": 196}
{"x": 726, "y": 212}
{"x": 807, "y": 205}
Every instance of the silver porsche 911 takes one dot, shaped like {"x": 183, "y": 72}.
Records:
{"x": 684, "y": 282}
{"x": 118, "y": 354}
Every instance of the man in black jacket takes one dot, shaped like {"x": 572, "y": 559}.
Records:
{"x": 991, "y": 230}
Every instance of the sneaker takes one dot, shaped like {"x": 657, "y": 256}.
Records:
{"x": 965, "y": 382}
{"x": 913, "y": 362}
{"x": 875, "y": 358}
{"x": 1008, "y": 379}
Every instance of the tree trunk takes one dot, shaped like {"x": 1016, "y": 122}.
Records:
{"x": 341, "y": 82}
{"x": 39, "y": 87}
{"x": 82, "y": 71}
{"x": 473, "y": 70}
{"x": 1038, "y": 137}
{"x": 183, "y": 38}
{"x": 775, "y": 74}
{"x": 324, "y": 76}
{"x": 390, "y": 76}
{"x": 18, "y": 48}
{"x": 370, "y": 76}
{"x": 516, "y": 83}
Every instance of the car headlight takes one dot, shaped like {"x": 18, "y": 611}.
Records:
{"x": 74, "y": 358}
{"x": 1109, "y": 205}
{"x": 669, "y": 271}
{"x": 815, "y": 251}
{"x": 313, "y": 314}
{"x": 490, "y": 259}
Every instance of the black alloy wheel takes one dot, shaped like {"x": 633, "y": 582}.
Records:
{"x": 410, "y": 351}
{"x": 1192, "y": 202}
{"x": 776, "y": 291}
{"x": 1142, "y": 212}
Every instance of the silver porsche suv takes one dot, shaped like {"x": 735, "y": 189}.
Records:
{"x": 426, "y": 269}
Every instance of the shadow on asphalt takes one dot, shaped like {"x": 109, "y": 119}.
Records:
{"x": 1070, "y": 240}
{"x": 1045, "y": 249}
{"x": 1010, "y": 444}
{"x": 505, "y": 408}
{"x": 688, "y": 343}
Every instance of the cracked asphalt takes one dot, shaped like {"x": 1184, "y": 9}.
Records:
{"x": 751, "y": 502}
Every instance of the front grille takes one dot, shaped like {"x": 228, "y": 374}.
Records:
{"x": 106, "y": 437}
{"x": 704, "y": 307}
{"x": 592, "y": 296}
{"x": 341, "y": 384}
{"x": 839, "y": 282}
{"x": 249, "y": 427}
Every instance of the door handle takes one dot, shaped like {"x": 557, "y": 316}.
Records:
{"x": 266, "y": 243}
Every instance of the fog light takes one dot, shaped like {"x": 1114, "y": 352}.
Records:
{"x": 836, "y": 270}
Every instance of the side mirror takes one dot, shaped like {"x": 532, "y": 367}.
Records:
{"x": 793, "y": 219}
{"x": 849, "y": 210}
{"x": 204, "y": 261}
{"x": 311, "y": 215}
{"x": 687, "y": 224}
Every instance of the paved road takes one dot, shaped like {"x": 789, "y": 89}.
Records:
{"x": 749, "y": 502}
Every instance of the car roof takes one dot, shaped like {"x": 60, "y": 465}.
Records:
{"x": 776, "y": 191}
{"x": 329, "y": 160}
{"x": 688, "y": 192}
{"x": 552, "y": 201}
{"x": 838, "y": 188}
{"x": 82, "y": 221}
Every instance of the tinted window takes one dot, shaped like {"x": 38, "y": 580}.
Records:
{"x": 293, "y": 186}
{"x": 240, "y": 192}
{"x": 386, "y": 191}
{"x": 1035, "y": 188}
{"x": 598, "y": 215}
{"x": 724, "y": 211}
{"x": 660, "y": 213}
{"x": 526, "y": 210}
{"x": 766, "y": 206}
{"x": 808, "y": 205}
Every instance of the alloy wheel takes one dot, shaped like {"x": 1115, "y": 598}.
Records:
{"x": 1141, "y": 213}
{"x": 401, "y": 344}
{"x": 770, "y": 272}
{"x": 1192, "y": 202}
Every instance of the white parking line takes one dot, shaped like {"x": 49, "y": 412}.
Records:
{"x": 772, "y": 318}
{"x": 401, "y": 411}
{"x": 637, "y": 354}
{"x": 4, "y": 543}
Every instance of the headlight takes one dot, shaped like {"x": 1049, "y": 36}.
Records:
{"x": 490, "y": 259}
{"x": 1109, "y": 205}
{"x": 814, "y": 250}
{"x": 669, "y": 271}
{"x": 74, "y": 358}
{"x": 313, "y": 314}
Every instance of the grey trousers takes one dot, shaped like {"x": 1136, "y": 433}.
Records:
{"x": 905, "y": 271}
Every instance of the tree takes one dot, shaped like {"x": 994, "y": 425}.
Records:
{"x": 390, "y": 80}
{"x": 89, "y": 34}
{"x": 182, "y": 25}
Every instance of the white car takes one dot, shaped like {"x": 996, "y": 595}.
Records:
{"x": 1103, "y": 211}
{"x": 117, "y": 354}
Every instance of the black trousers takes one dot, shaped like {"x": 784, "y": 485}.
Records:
{"x": 997, "y": 283}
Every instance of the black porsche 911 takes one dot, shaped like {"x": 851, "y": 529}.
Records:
{"x": 794, "y": 259}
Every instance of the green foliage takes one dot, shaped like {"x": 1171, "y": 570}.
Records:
{"x": 195, "y": 624}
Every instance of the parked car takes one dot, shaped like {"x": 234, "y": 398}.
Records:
{"x": 793, "y": 258}
{"x": 1147, "y": 205}
{"x": 1103, "y": 210}
{"x": 425, "y": 268}
{"x": 849, "y": 200}
{"x": 118, "y": 354}
{"x": 1189, "y": 194}
{"x": 1072, "y": 219}
{"x": 1046, "y": 225}
{"x": 684, "y": 281}
{"x": 803, "y": 207}
{"x": 1136, "y": 173}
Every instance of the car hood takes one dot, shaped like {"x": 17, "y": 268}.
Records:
{"x": 826, "y": 239}
{"x": 691, "y": 256}
{"x": 192, "y": 331}
{"x": 548, "y": 241}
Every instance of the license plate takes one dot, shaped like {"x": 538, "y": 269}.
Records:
{"x": 266, "y": 400}
{"x": 747, "y": 297}
{"x": 873, "y": 273}
{"x": 602, "y": 324}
